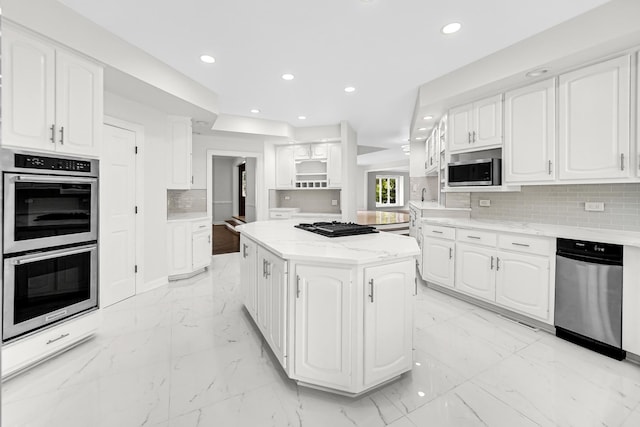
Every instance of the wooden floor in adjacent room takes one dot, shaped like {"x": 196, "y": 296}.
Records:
{"x": 224, "y": 240}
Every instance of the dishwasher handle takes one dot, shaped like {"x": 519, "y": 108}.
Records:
{"x": 592, "y": 260}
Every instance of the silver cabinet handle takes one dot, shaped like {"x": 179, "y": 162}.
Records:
{"x": 57, "y": 339}
{"x": 371, "y": 289}
{"x": 621, "y": 161}
{"x": 268, "y": 269}
{"x": 297, "y": 286}
{"x": 549, "y": 167}
{"x": 520, "y": 244}
{"x": 450, "y": 253}
{"x": 61, "y": 134}
{"x": 474, "y": 136}
{"x": 497, "y": 263}
{"x": 469, "y": 137}
{"x": 53, "y": 134}
{"x": 474, "y": 237}
{"x": 436, "y": 231}
{"x": 415, "y": 280}
{"x": 264, "y": 268}
{"x": 491, "y": 267}
{"x": 244, "y": 250}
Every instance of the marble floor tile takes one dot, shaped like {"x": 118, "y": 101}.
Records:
{"x": 187, "y": 354}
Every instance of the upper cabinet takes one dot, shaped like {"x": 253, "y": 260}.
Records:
{"x": 530, "y": 133}
{"x": 476, "y": 126}
{"x": 180, "y": 136}
{"x": 305, "y": 166}
{"x": 334, "y": 165}
{"x": 594, "y": 116}
{"x": 52, "y": 99}
{"x": 285, "y": 166}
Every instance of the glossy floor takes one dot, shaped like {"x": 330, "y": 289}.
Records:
{"x": 187, "y": 355}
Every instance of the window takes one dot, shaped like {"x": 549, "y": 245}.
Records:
{"x": 389, "y": 191}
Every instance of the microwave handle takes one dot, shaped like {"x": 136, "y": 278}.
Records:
{"x": 54, "y": 254}
{"x": 57, "y": 178}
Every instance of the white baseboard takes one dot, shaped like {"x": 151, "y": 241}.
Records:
{"x": 147, "y": 286}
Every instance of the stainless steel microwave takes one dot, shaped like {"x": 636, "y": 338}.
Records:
{"x": 481, "y": 172}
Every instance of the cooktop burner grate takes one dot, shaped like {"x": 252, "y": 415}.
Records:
{"x": 337, "y": 229}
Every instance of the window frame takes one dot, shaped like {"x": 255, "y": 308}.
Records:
{"x": 399, "y": 187}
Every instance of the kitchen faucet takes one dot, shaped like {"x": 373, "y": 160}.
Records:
{"x": 423, "y": 190}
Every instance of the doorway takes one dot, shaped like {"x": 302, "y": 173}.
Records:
{"x": 242, "y": 190}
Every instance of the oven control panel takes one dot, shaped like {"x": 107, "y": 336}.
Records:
{"x": 51, "y": 163}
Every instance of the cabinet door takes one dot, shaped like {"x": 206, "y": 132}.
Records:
{"x": 319, "y": 151}
{"x": 475, "y": 272}
{"x": 249, "y": 274}
{"x": 522, "y": 283}
{"x": 460, "y": 124}
{"x": 334, "y": 165}
{"x": 438, "y": 261}
{"x": 302, "y": 152}
{"x": 179, "y": 245}
{"x": 180, "y": 139}
{"x": 79, "y": 117}
{"x": 487, "y": 122}
{"x": 594, "y": 121}
{"x": 530, "y": 133}
{"x": 323, "y": 341}
{"x": 201, "y": 249}
{"x": 388, "y": 320}
{"x": 285, "y": 166}
{"x": 28, "y": 91}
{"x": 276, "y": 271}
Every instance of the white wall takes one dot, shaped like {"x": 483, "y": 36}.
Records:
{"x": 155, "y": 188}
{"x": 250, "y": 199}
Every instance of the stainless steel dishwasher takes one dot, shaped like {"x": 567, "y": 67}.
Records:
{"x": 588, "y": 307}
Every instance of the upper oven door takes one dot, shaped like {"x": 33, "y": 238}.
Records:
{"x": 44, "y": 211}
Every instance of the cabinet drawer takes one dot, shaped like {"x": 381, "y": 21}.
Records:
{"x": 478, "y": 237}
{"x": 437, "y": 231}
{"x": 279, "y": 215}
{"x": 200, "y": 225}
{"x": 528, "y": 244}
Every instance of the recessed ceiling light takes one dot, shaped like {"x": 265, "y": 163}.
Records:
{"x": 207, "y": 59}
{"x": 537, "y": 73}
{"x": 255, "y": 111}
{"x": 422, "y": 129}
{"x": 349, "y": 89}
{"x": 451, "y": 28}
{"x": 302, "y": 117}
{"x": 427, "y": 118}
{"x": 287, "y": 76}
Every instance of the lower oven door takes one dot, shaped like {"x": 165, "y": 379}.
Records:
{"x": 46, "y": 287}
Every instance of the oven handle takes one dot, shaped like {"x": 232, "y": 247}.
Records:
{"x": 53, "y": 254}
{"x": 57, "y": 178}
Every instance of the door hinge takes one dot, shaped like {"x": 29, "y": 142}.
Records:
{"x": 135, "y": 269}
{"x": 136, "y": 210}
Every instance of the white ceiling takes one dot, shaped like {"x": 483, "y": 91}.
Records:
{"x": 384, "y": 48}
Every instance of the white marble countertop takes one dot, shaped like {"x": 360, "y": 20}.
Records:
{"x": 433, "y": 205}
{"x": 603, "y": 235}
{"x": 284, "y": 209}
{"x": 189, "y": 216}
{"x": 335, "y": 216}
{"x": 292, "y": 243}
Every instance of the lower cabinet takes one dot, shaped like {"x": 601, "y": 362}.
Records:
{"x": 475, "y": 272}
{"x": 522, "y": 283}
{"x": 323, "y": 325}
{"x": 189, "y": 246}
{"x": 388, "y": 320}
{"x": 248, "y": 274}
{"x": 438, "y": 263}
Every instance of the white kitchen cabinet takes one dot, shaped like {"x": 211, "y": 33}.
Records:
{"x": 319, "y": 151}
{"x": 388, "y": 306}
{"x": 271, "y": 303}
{"x": 285, "y": 166}
{"x": 179, "y": 133}
{"x": 323, "y": 318}
{"x": 438, "y": 263}
{"x": 248, "y": 274}
{"x": 301, "y": 151}
{"x": 431, "y": 164}
{"x": 594, "y": 120}
{"x": 189, "y": 247}
{"x": 476, "y": 126}
{"x": 475, "y": 273}
{"x": 522, "y": 283}
{"x": 52, "y": 99}
{"x": 334, "y": 165}
{"x": 530, "y": 134}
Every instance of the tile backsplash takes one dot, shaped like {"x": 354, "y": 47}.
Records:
{"x": 430, "y": 183}
{"x": 309, "y": 201}
{"x": 564, "y": 205}
{"x": 185, "y": 201}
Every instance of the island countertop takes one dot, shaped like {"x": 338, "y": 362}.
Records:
{"x": 292, "y": 243}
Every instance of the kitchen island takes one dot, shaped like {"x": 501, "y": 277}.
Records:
{"x": 336, "y": 312}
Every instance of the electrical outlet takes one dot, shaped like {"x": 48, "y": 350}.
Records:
{"x": 334, "y": 203}
{"x": 485, "y": 203}
{"x": 287, "y": 197}
{"x": 594, "y": 206}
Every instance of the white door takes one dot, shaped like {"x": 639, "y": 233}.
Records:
{"x": 487, "y": 122}
{"x": 118, "y": 219}
{"x": 28, "y": 91}
{"x": 388, "y": 320}
{"x": 522, "y": 283}
{"x": 79, "y": 104}
{"x": 593, "y": 125}
{"x": 248, "y": 274}
{"x": 285, "y": 167}
{"x": 475, "y": 272}
{"x": 201, "y": 249}
{"x": 334, "y": 165}
{"x": 438, "y": 264}
{"x": 460, "y": 124}
{"x": 323, "y": 341}
{"x": 530, "y": 133}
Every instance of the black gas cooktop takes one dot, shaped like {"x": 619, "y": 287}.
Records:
{"x": 337, "y": 229}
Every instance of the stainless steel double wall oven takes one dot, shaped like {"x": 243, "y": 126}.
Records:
{"x": 50, "y": 234}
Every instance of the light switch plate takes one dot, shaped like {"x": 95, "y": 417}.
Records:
{"x": 594, "y": 206}
{"x": 485, "y": 203}
{"x": 334, "y": 203}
